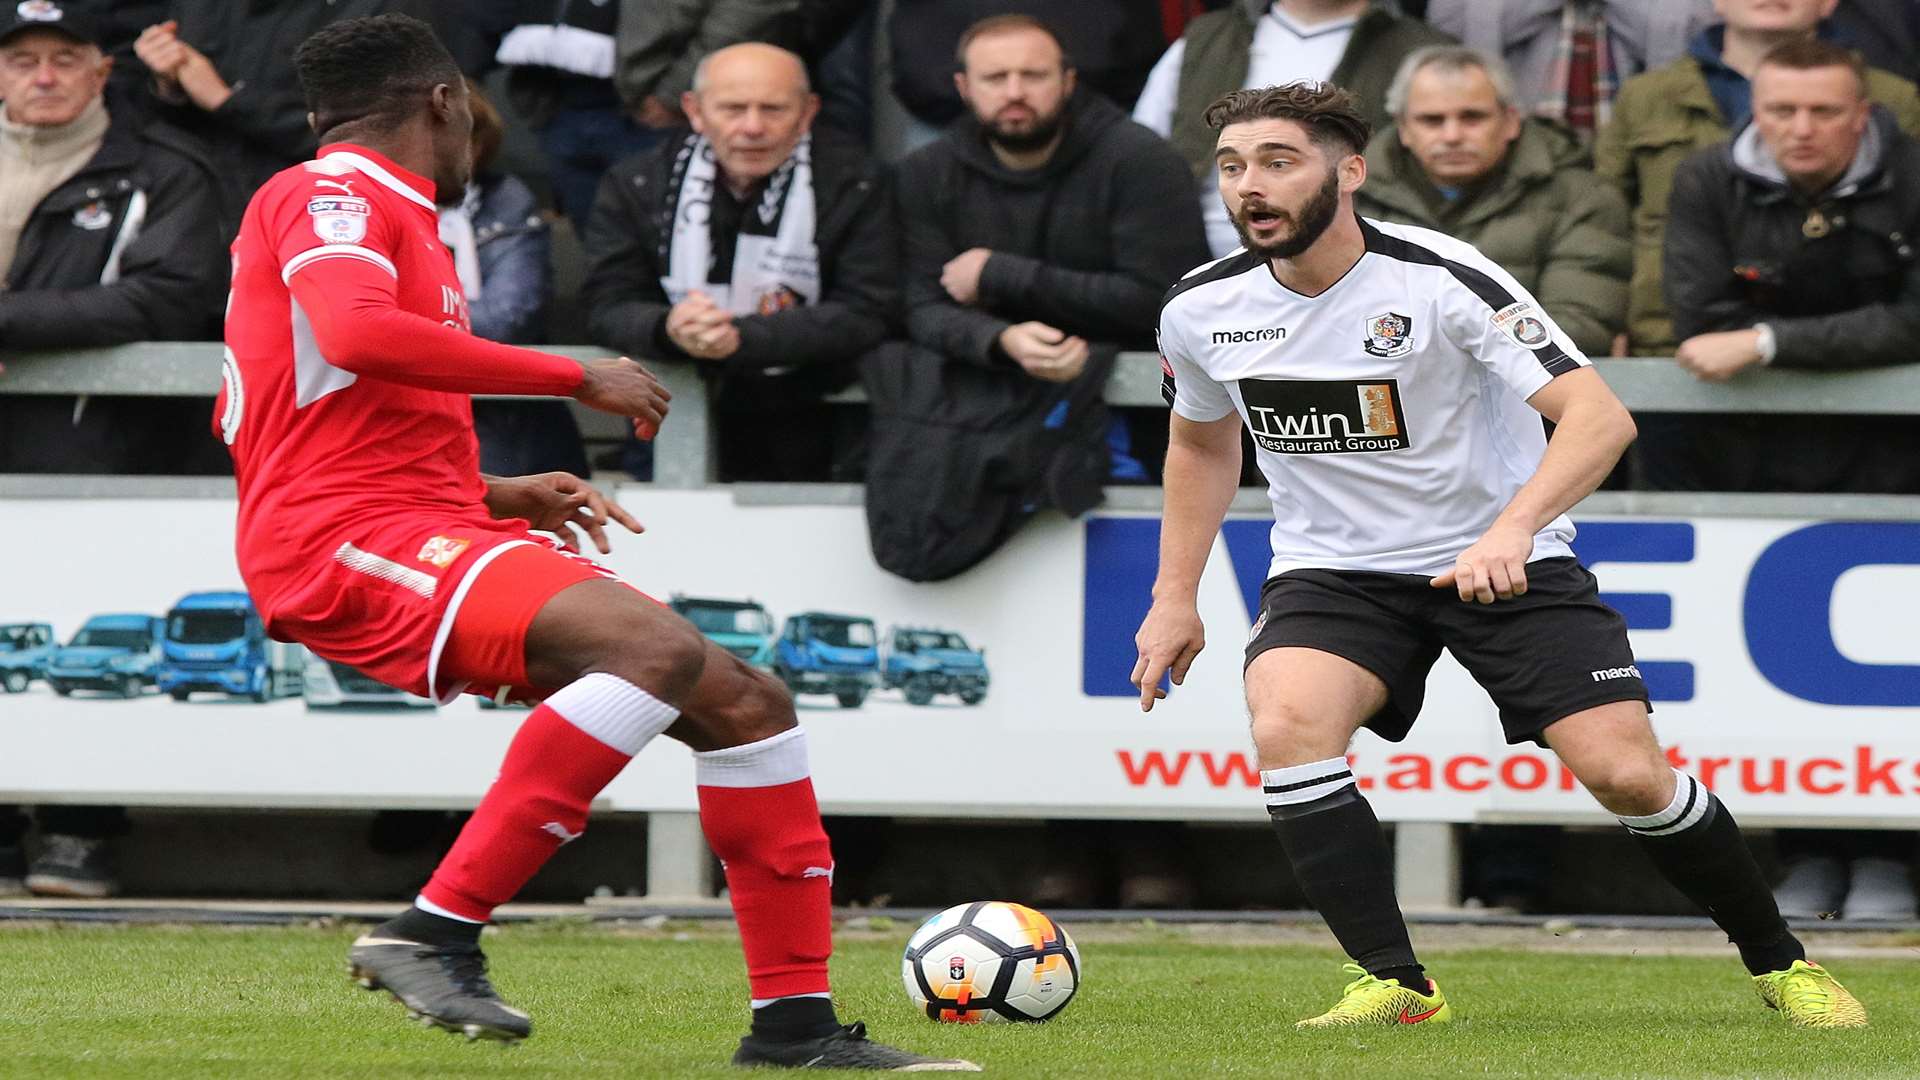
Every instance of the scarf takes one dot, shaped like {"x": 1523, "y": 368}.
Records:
{"x": 456, "y": 231}
{"x": 775, "y": 263}
{"x": 1580, "y": 92}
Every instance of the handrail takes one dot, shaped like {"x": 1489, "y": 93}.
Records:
{"x": 683, "y": 452}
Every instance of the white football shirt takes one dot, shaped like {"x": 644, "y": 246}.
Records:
{"x": 1388, "y": 413}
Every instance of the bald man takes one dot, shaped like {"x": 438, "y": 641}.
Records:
{"x": 756, "y": 251}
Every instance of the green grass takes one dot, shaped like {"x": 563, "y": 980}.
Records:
{"x": 161, "y": 1002}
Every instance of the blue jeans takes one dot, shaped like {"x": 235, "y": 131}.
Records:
{"x": 581, "y": 144}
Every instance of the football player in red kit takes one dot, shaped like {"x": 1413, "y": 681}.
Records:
{"x": 367, "y": 533}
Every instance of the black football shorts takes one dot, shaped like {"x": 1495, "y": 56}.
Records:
{"x": 1541, "y": 656}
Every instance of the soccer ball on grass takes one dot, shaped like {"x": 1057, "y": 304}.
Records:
{"x": 990, "y": 960}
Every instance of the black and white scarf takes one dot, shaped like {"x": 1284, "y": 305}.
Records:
{"x": 775, "y": 262}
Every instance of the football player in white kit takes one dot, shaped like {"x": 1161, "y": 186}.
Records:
{"x": 1393, "y": 380}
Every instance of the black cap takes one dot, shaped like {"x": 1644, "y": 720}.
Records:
{"x": 65, "y": 19}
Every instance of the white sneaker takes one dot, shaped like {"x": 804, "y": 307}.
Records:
{"x": 1813, "y": 888}
{"x": 1881, "y": 889}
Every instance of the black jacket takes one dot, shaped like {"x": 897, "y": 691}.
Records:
{"x": 820, "y": 343}
{"x": 1088, "y": 244}
{"x": 147, "y": 192}
{"x": 1737, "y": 253}
{"x": 965, "y": 444}
{"x": 262, "y": 128}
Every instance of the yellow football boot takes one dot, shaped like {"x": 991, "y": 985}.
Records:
{"x": 1368, "y": 1001}
{"x": 1809, "y": 997}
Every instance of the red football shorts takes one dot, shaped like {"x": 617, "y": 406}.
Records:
{"x": 435, "y": 608}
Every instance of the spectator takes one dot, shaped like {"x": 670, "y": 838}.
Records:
{"x": 1354, "y": 43}
{"x": 1110, "y": 43}
{"x": 1568, "y": 56}
{"x": 762, "y": 255}
{"x": 108, "y": 236}
{"x": 1793, "y": 245}
{"x": 75, "y": 856}
{"x": 220, "y": 71}
{"x": 1887, "y": 33}
{"x": 660, "y": 44}
{"x": 1039, "y": 242}
{"x": 500, "y": 251}
{"x": 1664, "y": 115}
{"x": 1461, "y": 159}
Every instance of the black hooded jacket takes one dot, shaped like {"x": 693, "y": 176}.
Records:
{"x": 1087, "y": 243}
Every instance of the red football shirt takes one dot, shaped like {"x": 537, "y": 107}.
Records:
{"x": 348, "y": 366}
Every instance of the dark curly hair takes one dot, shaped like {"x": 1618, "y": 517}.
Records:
{"x": 1325, "y": 110}
{"x": 371, "y": 69}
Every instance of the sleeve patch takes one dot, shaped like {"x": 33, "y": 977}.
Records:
{"x": 339, "y": 219}
{"x": 1166, "y": 380}
{"x": 1521, "y": 323}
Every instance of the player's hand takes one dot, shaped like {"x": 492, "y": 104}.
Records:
{"x": 961, "y": 275}
{"x": 1719, "y": 357}
{"x": 559, "y": 503}
{"x": 1495, "y": 567}
{"x": 1169, "y": 639}
{"x": 624, "y": 388}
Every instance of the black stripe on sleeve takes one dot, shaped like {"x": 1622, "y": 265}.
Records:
{"x": 1238, "y": 263}
{"x": 1491, "y": 292}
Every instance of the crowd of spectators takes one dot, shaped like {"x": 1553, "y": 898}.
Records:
{"x": 1728, "y": 182}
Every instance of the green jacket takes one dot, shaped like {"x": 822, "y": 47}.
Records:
{"x": 1659, "y": 118}
{"x": 1543, "y": 217}
{"x": 1215, "y": 63}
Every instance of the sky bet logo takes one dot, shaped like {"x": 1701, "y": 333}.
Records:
{"x": 1786, "y": 610}
{"x": 1235, "y": 337}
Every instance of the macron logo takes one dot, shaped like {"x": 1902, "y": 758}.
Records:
{"x": 560, "y": 831}
{"x": 1627, "y": 672}
{"x": 1235, "y": 337}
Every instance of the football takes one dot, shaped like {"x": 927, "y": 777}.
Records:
{"x": 990, "y": 960}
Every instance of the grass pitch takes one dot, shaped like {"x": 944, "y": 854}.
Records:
{"x": 163, "y": 1002}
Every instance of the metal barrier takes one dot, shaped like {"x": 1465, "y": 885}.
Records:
{"x": 1427, "y": 855}
{"x": 683, "y": 452}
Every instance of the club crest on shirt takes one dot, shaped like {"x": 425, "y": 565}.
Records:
{"x": 92, "y": 217}
{"x": 339, "y": 219}
{"x": 1389, "y": 334}
{"x": 1523, "y": 324}
{"x": 442, "y": 550}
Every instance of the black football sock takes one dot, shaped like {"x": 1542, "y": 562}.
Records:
{"x": 429, "y": 929}
{"x": 1697, "y": 846}
{"x": 1341, "y": 859}
{"x": 795, "y": 1018}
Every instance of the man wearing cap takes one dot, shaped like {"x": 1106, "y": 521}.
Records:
{"x": 107, "y": 235}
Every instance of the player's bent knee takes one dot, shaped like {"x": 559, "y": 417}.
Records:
{"x": 666, "y": 663}
{"x": 1628, "y": 786}
{"x": 1289, "y": 733}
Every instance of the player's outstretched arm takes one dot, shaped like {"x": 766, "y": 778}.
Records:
{"x": 1202, "y": 473}
{"x": 1591, "y": 430}
{"x": 560, "y": 503}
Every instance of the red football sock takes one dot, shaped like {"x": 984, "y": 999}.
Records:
{"x": 566, "y": 753}
{"x": 760, "y": 817}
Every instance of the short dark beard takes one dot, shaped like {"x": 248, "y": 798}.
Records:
{"x": 1311, "y": 221}
{"x": 1044, "y": 130}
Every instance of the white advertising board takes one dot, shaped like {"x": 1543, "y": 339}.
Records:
{"x": 1784, "y": 657}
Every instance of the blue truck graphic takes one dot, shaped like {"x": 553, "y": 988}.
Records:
{"x": 822, "y": 653}
{"x": 924, "y": 662}
{"x": 742, "y": 627}
{"x": 215, "y": 641}
{"x": 24, "y": 648}
{"x": 116, "y": 653}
